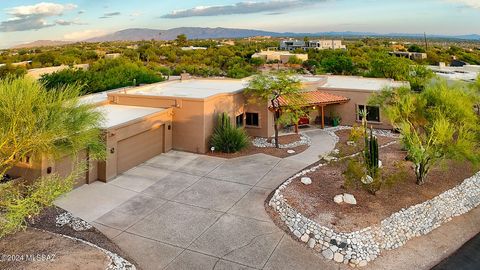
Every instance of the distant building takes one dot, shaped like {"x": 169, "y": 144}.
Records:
{"x": 280, "y": 56}
{"x": 228, "y": 42}
{"x": 410, "y": 55}
{"x": 466, "y": 73}
{"x": 192, "y": 48}
{"x": 112, "y": 55}
{"x": 36, "y": 73}
{"x": 290, "y": 45}
{"x": 19, "y": 64}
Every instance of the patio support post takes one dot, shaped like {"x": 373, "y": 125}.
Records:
{"x": 323, "y": 117}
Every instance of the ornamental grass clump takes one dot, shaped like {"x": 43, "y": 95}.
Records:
{"x": 227, "y": 138}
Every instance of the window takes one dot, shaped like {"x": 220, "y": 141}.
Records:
{"x": 239, "y": 120}
{"x": 252, "y": 119}
{"x": 373, "y": 113}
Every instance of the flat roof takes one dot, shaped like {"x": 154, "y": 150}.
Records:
{"x": 193, "y": 88}
{"x": 119, "y": 114}
{"x": 360, "y": 83}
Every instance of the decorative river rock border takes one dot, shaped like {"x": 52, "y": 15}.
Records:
{"x": 360, "y": 247}
{"x": 263, "y": 142}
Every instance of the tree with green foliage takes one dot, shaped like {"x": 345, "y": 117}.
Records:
{"x": 181, "y": 40}
{"x": 399, "y": 69}
{"x": 416, "y": 48}
{"x": 103, "y": 75}
{"x": 35, "y": 123}
{"x": 338, "y": 64}
{"x": 268, "y": 88}
{"x": 436, "y": 124}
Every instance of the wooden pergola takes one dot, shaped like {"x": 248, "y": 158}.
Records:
{"x": 318, "y": 99}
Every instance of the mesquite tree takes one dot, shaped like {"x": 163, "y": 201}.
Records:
{"x": 268, "y": 88}
{"x": 436, "y": 124}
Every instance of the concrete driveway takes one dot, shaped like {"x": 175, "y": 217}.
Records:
{"x": 187, "y": 211}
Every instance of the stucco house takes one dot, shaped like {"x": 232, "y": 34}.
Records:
{"x": 142, "y": 122}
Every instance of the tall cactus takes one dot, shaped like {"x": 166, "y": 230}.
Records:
{"x": 371, "y": 153}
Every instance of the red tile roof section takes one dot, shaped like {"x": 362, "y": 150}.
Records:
{"x": 317, "y": 98}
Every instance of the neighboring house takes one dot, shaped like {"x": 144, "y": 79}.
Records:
{"x": 36, "y": 73}
{"x": 192, "y": 48}
{"x": 290, "y": 45}
{"x": 112, "y": 55}
{"x": 279, "y": 56}
{"x": 467, "y": 73}
{"x": 409, "y": 55}
{"x": 142, "y": 122}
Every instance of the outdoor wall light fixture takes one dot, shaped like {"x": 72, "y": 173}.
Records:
{"x": 112, "y": 150}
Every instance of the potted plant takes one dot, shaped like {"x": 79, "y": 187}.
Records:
{"x": 335, "y": 119}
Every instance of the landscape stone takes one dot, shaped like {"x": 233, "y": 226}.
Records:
{"x": 338, "y": 257}
{"x": 311, "y": 243}
{"x": 349, "y": 198}
{"x": 305, "y": 238}
{"x": 290, "y": 151}
{"x": 306, "y": 180}
{"x": 338, "y": 198}
{"x": 328, "y": 254}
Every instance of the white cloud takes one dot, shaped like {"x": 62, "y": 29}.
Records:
{"x": 46, "y": 9}
{"x": 85, "y": 34}
{"x": 240, "y": 8}
{"x": 33, "y": 17}
{"x": 467, "y": 3}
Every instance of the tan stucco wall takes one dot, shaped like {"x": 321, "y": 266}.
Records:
{"x": 348, "y": 111}
{"x": 266, "y": 124}
{"x": 108, "y": 168}
{"x": 232, "y": 104}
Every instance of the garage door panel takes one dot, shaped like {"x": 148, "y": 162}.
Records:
{"x": 139, "y": 148}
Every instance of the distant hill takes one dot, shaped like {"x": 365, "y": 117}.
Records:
{"x": 42, "y": 43}
{"x": 137, "y": 34}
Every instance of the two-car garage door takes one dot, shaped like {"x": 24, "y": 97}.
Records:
{"x": 137, "y": 149}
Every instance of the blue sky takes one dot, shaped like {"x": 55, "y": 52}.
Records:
{"x": 25, "y": 21}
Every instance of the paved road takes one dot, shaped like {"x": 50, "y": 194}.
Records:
{"x": 186, "y": 211}
{"x": 466, "y": 258}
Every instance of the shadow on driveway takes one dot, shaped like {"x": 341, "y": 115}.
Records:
{"x": 465, "y": 258}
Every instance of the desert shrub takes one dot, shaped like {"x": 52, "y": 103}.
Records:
{"x": 20, "y": 201}
{"x": 227, "y": 138}
{"x": 353, "y": 173}
{"x": 356, "y": 133}
{"x": 355, "y": 170}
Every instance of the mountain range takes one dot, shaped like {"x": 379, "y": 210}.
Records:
{"x": 137, "y": 34}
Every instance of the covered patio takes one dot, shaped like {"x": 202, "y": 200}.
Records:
{"x": 315, "y": 102}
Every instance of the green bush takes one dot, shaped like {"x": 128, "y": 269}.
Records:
{"x": 227, "y": 138}
{"x": 20, "y": 201}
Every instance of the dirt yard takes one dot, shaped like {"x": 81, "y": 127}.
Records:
{"x": 316, "y": 200}
{"x": 68, "y": 254}
{"x": 281, "y": 153}
{"x": 35, "y": 250}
